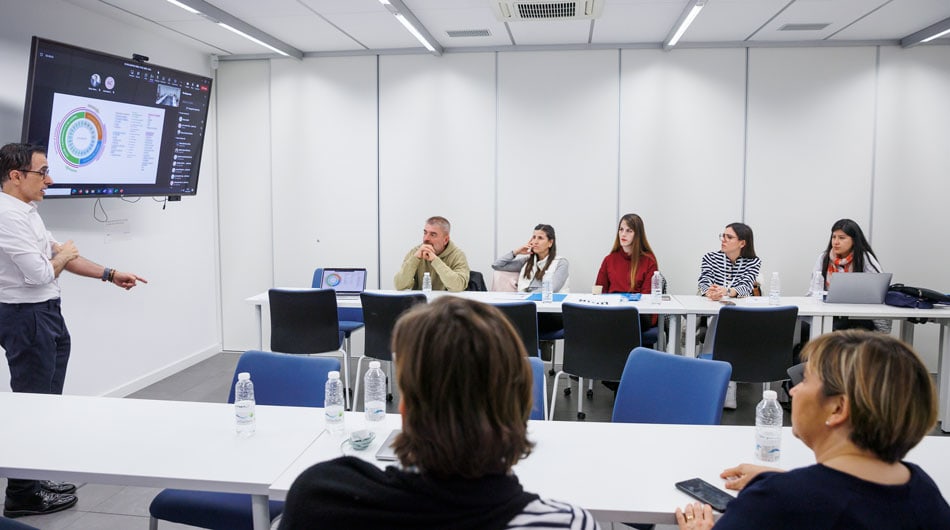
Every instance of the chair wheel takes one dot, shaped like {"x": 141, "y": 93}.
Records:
{"x": 389, "y": 397}
{"x": 551, "y": 372}
{"x": 567, "y": 391}
{"x": 581, "y": 415}
{"x": 590, "y": 393}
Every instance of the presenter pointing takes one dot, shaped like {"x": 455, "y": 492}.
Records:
{"x": 32, "y": 330}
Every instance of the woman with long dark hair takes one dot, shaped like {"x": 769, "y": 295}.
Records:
{"x": 536, "y": 259}
{"x": 631, "y": 263}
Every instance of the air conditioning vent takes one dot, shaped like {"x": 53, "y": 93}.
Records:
{"x": 805, "y": 27}
{"x": 468, "y": 33}
{"x": 511, "y": 10}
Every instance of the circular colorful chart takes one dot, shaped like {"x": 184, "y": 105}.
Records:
{"x": 81, "y": 137}
{"x": 332, "y": 279}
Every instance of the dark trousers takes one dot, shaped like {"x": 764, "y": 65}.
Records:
{"x": 37, "y": 344}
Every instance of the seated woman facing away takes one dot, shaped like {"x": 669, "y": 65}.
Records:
{"x": 466, "y": 387}
{"x": 849, "y": 251}
{"x": 865, "y": 401}
{"x": 631, "y": 263}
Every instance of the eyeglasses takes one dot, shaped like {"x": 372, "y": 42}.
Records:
{"x": 727, "y": 237}
{"x": 44, "y": 172}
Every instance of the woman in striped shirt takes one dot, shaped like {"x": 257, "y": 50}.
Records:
{"x": 733, "y": 269}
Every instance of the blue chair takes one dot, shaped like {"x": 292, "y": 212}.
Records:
{"x": 350, "y": 318}
{"x": 658, "y": 387}
{"x": 285, "y": 380}
{"x": 539, "y": 407}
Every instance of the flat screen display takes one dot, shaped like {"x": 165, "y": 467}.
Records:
{"x": 114, "y": 126}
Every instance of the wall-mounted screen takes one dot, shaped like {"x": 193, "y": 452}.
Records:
{"x": 114, "y": 126}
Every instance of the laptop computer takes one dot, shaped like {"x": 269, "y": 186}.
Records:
{"x": 347, "y": 282}
{"x": 858, "y": 287}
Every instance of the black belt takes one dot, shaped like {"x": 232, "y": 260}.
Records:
{"x": 49, "y": 304}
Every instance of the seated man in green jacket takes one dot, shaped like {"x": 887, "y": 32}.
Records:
{"x": 442, "y": 259}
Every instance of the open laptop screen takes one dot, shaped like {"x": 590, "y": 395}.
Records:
{"x": 344, "y": 281}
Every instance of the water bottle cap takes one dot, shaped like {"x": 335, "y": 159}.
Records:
{"x": 373, "y": 364}
{"x": 769, "y": 394}
{"x": 333, "y": 375}
{"x": 244, "y": 376}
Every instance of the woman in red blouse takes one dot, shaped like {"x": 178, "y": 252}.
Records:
{"x": 630, "y": 265}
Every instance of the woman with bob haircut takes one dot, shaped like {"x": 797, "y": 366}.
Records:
{"x": 466, "y": 387}
{"x": 631, "y": 263}
{"x": 849, "y": 251}
{"x": 865, "y": 401}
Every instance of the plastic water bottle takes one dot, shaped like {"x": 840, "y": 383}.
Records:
{"x": 656, "y": 287}
{"x": 426, "y": 282}
{"x": 244, "y": 405}
{"x": 775, "y": 290}
{"x": 333, "y": 403}
{"x": 768, "y": 428}
{"x": 817, "y": 285}
{"x": 547, "y": 292}
{"x": 374, "y": 397}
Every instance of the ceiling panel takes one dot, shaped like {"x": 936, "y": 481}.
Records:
{"x": 837, "y": 14}
{"x": 897, "y": 20}
{"x": 731, "y": 20}
{"x": 536, "y": 32}
{"x": 439, "y": 20}
{"x": 636, "y": 22}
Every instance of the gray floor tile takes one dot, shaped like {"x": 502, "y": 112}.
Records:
{"x": 92, "y": 495}
{"x": 53, "y": 521}
{"x": 129, "y": 500}
{"x": 108, "y": 521}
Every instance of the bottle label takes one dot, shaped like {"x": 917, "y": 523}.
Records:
{"x": 768, "y": 444}
{"x": 333, "y": 413}
{"x": 244, "y": 412}
{"x": 375, "y": 410}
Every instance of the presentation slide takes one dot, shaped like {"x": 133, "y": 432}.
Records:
{"x": 104, "y": 142}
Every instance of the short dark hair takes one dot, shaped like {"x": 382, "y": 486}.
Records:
{"x": 891, "y": 397}
{"x": 466, "y": 383}
{"x": 744, "y": 233}
{"x": 16, "y": 156}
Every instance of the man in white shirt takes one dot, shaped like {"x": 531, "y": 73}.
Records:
{"x": 32, "y": 330}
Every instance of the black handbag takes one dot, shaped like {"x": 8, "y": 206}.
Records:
{"x": 901, "y": 295}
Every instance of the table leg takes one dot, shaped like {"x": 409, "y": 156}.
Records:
{"x": 260, "y": 326}
{"x": 907, "y": 331}
{"x": 943, "y": 376}
{"x": 818, "y": 326}
{"x": 690, "y": 345}
{"x": 260, "y": 512}
{"x": 673, "y": 341}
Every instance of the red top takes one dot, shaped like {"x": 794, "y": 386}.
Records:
{"x": 614, "y": 275}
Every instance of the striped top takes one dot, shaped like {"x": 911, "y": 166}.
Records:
{"x": 545, "y": 513}
{"x": 717, "y": 269}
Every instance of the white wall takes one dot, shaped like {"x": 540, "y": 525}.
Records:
{"x": 786, "y": 139}
{"x": 122, "y": 341}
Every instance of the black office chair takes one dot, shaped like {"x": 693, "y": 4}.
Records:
{"x": 305, "y": 321}
{"x": 597, "y": 341}
{"x": 524, "y": 317}
{"x": 476, "y": 282}
{"x": 380, "y": 313}
{"x": 756, "y": 341}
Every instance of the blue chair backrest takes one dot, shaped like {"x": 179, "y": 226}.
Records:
{"x": 283, "y": 379}
{"x": 658, "y": 387}
{"x": 344, "y": 314}
{"x": 538, "y": 394}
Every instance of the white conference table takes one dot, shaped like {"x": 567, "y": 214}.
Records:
{"x": 666, "y": 307}
{"x": 620, "y": 471}
{"x": 171, "y": 444}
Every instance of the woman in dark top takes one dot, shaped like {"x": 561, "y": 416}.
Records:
{"x": 865, "y": 401}
{"x": 631, "y": 263}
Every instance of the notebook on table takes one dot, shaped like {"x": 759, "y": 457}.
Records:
{"x": 858, "y": 287}
{"x": 347, "y": 282}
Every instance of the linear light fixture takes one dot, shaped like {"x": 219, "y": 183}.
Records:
{"x": 934, "y": 31}
{"x": 232, "y": 23}
{"x": 253, "y": 39}
{"x": 405, "y": 17}
{"x": 686, "y": 18}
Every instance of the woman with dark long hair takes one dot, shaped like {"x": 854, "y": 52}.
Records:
{"x": 631, "y": 263}
{"x": 536, "y": 259}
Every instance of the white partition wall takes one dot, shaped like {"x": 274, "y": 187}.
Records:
{"x": 247, "y": 203}
{"x": 123, "y": 341}
{"x": 810, "y": 152}
{"x": 436, "y": 154}
{"x": 324, "y": 167}
{"x": 681, "y": 152}
{"x": 911, "y": 166}
{"x": 557, "y": 153}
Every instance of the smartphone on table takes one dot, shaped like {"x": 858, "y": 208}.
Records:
{"x": 703, "y": 491}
